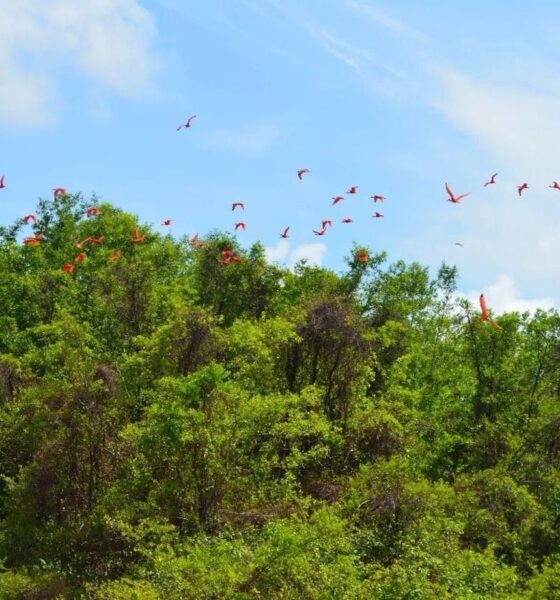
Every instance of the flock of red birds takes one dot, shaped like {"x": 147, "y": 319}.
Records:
{"x": 228, "y": 256}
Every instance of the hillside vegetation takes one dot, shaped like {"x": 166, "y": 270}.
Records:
{"x": 174, "y": 427}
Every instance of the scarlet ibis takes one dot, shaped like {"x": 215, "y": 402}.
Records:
{"x": 521, "y": 188}
{"x": 337, "y": 199}
{"x": 137, "y": 238}
{"x": 378, "y": 198}
{"x": 352, "y": 190}
{"x": 29, "y": 218}
{"x": 68, "y": 268}
{"x": 301, "y": 173}
{"x": 92, "y": 211}
{"x": 284, "y": 234}
{"x": 238, "y": 205}
{"x": 241, "y": 225}
{"x": 452, "y": 197}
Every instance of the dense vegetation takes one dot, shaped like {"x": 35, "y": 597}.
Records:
{"x": 172, "y": 427}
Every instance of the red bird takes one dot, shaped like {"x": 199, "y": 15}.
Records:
{"x": 80, "y": 258}
{"x": 485, "y": 316}
{"x": 137, "y": 238}
{"x": 521, "y": 188}
{"x": 301, "y": 173}
{"x": 452, "y": 197}
{"x": 167, "y": 222}
{"x": 362, "y": 256}
{"x": 82, "y": 243}
{"x": 555, "y": 185}
{"x": 378, "y": 198}
{"x": 187, "y": 124}
{"x": 241, "y": 225}
{"x": 68, "y": 268}
{"x": 115, "y": 256}
{"x": 325, "y": 223}
{"x": 93, "y": 211}
{"x": 322, "y": 232}
{"x": 337, "y": 199}
{"x": 347, "y": 220}
{"x": 352, "y": 190}
{"x": 97, "y": 240}
{"x": 59, "y": 192}
{"x": 284, "y": 234}
{"x": 492, "y": 180}
{"x": 238, "y": 205}
{"x": 29, "y": 218}
{"x": 378, "y": 215}
{"x": 32, "y": 241}
{"x": 2, "y": 184}
{"x": 194, "y": 238}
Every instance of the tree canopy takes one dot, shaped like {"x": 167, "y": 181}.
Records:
{"x": 173, "y": 425}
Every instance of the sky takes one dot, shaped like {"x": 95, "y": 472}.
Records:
{"x": 395, "y": 97}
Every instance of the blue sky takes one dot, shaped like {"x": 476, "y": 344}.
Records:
{"x": 395, "y": 97}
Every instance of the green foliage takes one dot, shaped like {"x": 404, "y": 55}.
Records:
{"x": 175, "y": 427}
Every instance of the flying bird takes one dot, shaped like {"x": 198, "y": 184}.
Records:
{"x": 137, "y": 238}
{"x": 352, "y": 190}
{"x": 284, "y": 234}
{"x": 337, "y": 199}
{"x": 93, "y": 211}
{"x": 68, "y": 268}
{"x": 301, "y": 173}
{"x": 347, "y": 220}
{"x": 29, "y": 218}
{"x": 521, "y": 188}
{"x": 555, "y": 185}
{"x": 115, "y": 256}
{"x": 378, "y": 198}
{"x": 80, "y": 258}
{"x": 459, "y": 244}
{"x": 238, "y": 205}
{"x": 59, "y": 192}
{"x": 322, "y": 232}
{"x": 452, "y": 197}
{"x": 241, "y": 225}
{"x": 492, "y": 180}
{"x": 167, "y": 222}
{"x": 378, "y": 215}
{"x": 187, "y": 124}
{"x": 2, "y": 184}
{"x": 325, "y": 223}
{"x": 485, "y": 313}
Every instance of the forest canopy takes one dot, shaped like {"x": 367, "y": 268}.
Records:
{"x": 177, "y": 425}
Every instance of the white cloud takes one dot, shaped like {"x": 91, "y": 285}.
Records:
{"x": 313, "y": 253}
{"x": 253, "y": 140}
{"x": 108, "y": 41}
{"x": 503, "y": 296}
{"x": 277, "y": 253}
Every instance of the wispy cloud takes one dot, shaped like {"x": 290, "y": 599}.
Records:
{"x": 107, "y": 41}
{"x": 389, "y": 22}
{"x": 252, "y": 140}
